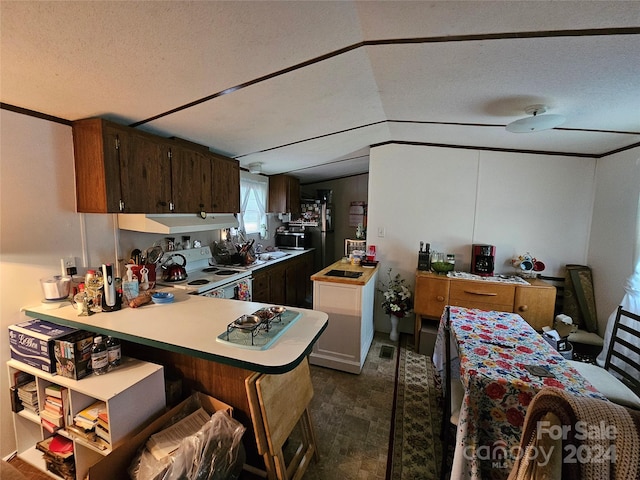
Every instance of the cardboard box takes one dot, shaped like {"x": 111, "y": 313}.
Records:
{"x": 32, "y": 342}
{"x": 560, "y": 344}
{"x": 428, "y": 334}
{"x": 115, "y": 464}
{"x": 73, "y": 355}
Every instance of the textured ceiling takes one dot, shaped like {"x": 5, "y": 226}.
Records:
{"x": 306, "y": 87}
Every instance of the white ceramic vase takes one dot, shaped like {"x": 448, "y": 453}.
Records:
{"x": 393, "y": 336}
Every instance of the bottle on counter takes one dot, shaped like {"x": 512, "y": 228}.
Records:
{"x": 114, "y": 352}
{"x": 80, "y": 301}
{"x": 99, "y": 356}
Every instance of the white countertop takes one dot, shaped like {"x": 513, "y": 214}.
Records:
{"x": 191, "y": 324}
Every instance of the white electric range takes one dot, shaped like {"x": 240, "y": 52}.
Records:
{"x": 206, "y": 278}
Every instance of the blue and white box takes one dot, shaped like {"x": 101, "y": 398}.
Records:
{"x": 32, "y": 342}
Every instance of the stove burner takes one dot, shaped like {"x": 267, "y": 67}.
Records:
{"x": 200, "y": 281}
{"x": 210, "y": 269}
{"x": 226, "y": 272}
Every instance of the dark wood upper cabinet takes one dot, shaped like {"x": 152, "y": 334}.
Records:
{"x": 226, "y": 184}
{"x": 284, "y": 194}
{"x": 145, "y": 172}
{"x": 191, "y": 177}
{"x": 97, "y": 166}
{"x": 124, "y": 170}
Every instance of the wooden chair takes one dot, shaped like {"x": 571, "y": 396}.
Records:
{"x": 453, "y": 396}
{"x": 278, "y": 403}
{"x": 622, "y": 388}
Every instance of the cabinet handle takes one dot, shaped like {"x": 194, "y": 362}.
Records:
{"x": 440, "y": 298}
{"x": 121, "y": 205}
{"x": 523, "y": 308}
{"x": 486, "y": 294}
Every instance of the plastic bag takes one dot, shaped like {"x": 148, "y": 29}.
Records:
{"x": 214, "y": 453}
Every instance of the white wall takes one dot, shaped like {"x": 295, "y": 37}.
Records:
{"x": 452, "y": 198}
{"x": 39, "y": 226}
{"x": 614, "y": 246}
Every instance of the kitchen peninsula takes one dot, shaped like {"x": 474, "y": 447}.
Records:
{"x": 183, "y": 336}
{"x": 346, "y": 292}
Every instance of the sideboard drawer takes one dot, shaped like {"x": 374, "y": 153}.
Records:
{"x": 487, "y": 296}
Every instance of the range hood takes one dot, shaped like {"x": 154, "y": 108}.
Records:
{"x": 168, "y": 223}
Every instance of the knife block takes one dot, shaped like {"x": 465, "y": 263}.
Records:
{"x": 424, "y": 261}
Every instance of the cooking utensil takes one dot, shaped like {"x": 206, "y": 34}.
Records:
{"x": 173, "y": 272}
{"x": 154, "y": 254}
{"x": 136, "y": 256}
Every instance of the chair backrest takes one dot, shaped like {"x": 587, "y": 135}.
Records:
{"x": 625, "y": 341}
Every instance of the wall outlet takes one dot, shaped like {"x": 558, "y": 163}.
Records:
{"x": 69, "y": 266}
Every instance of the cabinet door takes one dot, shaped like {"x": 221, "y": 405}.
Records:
{"x": 432, "y": 295}
{"x": 145, "y": 173}
{"x": 191, "y": 183}
{"x": 97, "y": 165}
{"x": 260, "y": 286}
{"x": 284, "y": 194}
{"x": 226, "y": 185}
{"x": 298, "y": 280}
{"x": 536, "y": 304}
{"x": 278, "y": 284}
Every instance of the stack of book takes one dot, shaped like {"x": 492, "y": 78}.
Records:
{"x": 58, "y": 456}
{"x": 102, "y": 427}
{"x": 85, "y": 422}
{"x": 55, "y": 411}
{"x": 28, "y": 395}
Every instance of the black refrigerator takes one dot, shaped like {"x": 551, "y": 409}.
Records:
{"x": 319, "y": 224}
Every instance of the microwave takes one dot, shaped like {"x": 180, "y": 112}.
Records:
{"x": 293, "y": 240}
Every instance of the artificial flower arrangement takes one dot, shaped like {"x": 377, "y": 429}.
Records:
{"x": 397, "y": 296}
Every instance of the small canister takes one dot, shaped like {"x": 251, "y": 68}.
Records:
{"x": 356, "y": 257}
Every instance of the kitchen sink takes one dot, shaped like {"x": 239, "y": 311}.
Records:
{"x": 343, "y": 273}
{"x": 272, "y": 255}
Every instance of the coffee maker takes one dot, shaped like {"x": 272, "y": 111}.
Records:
{"x": 483, "y": 259}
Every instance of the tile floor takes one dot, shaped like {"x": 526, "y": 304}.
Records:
{"x": 352, "y": 417}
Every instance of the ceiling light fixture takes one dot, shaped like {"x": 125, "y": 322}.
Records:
{"x": 536, "y": 122}
{"x": 255, "y": 167}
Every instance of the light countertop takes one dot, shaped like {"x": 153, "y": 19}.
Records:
{"x": 190, "y": 326}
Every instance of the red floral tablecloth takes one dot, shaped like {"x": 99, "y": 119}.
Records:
{"x": 493, "y": 350}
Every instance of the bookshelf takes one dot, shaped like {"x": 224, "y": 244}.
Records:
{"x": 132, "y": 393}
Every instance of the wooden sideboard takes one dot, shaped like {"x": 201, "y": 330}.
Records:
{"x": 535, "y": 302}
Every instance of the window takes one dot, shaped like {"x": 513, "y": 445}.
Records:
{"x": 253, "y": 202}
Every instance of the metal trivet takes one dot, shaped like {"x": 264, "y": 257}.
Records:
{"x": 258, "y": 330}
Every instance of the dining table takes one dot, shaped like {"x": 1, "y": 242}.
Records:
{"x": 502, "y": 363}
